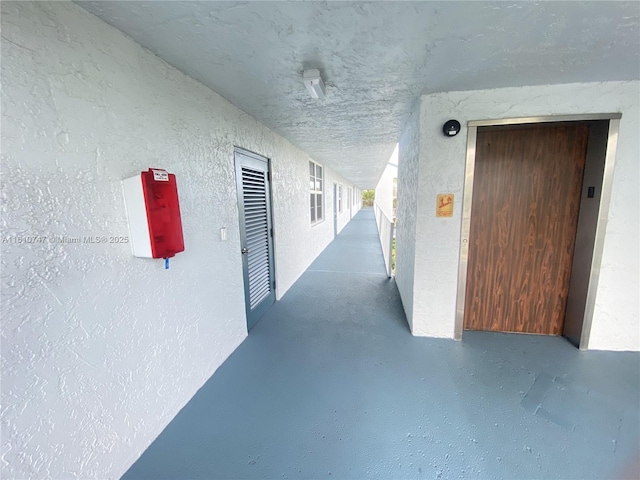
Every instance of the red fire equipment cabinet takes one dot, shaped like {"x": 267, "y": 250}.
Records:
{"x": 154, "y": 214}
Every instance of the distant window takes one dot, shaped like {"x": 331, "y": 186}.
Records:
{"x": 339, "y": 198}
{"x": 395, "y": 188}
{"x": 316, "y": 186}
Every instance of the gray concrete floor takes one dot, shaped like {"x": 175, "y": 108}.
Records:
{"x": 330, "y": 384}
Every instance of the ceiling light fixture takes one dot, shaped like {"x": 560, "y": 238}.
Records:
{"x": 313, "y": 82}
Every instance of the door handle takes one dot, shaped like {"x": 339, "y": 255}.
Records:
{"x": 244, "y": 250}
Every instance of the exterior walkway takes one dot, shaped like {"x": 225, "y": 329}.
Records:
{"x": 330, "y": 384}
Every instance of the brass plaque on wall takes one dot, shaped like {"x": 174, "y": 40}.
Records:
{"x": 444, "y": 205}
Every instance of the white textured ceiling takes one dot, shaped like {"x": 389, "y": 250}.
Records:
{"x": 376, "y": 57}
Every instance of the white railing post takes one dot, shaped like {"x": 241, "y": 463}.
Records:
{"x": 385, "y": 233}
{"x": 390, "y": 265}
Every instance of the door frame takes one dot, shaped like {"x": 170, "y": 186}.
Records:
{"x": 603, "y": 212}
{"x": 258, "y": 312}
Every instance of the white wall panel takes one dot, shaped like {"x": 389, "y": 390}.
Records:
{"x": 408, "y": 170}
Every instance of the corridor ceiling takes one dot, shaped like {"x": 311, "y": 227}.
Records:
{"x": 376, "y": 59}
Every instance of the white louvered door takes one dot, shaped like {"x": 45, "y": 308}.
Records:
{"x": 254, "y": 201}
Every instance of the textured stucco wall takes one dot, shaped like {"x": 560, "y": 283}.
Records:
{"x": 615, "y": 323}
{"x": 101, "y": 349}
{"x": 406, "y": 210}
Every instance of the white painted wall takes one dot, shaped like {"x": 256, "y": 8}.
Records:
{"x": 406, "y": 210}
{"x": 345, "y": 216}
{"x": 357, "y": 201}
{"x": 384, "y": 188}
{"x": 100, "y": 349}
{"x": 442, "y": 161}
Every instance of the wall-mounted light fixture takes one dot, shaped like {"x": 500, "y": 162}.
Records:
{"x": 451, "y": 128}
{"x": 313, "y": 82}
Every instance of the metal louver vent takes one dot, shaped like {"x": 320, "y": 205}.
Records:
{"x": 257, "y": 234}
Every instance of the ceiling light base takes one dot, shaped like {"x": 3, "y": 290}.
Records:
{"x": 314, "y": 83}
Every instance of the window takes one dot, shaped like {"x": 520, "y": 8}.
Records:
{"x": 339, "y": 198}
{"x": 316, "y": 185}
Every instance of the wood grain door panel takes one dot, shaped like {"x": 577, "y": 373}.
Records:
{"x": 526, "y": 197}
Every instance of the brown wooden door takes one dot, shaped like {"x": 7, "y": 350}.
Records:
{"x": 526, "y": 196}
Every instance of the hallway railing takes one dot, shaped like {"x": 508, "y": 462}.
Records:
{"x": 385, "y": 232}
